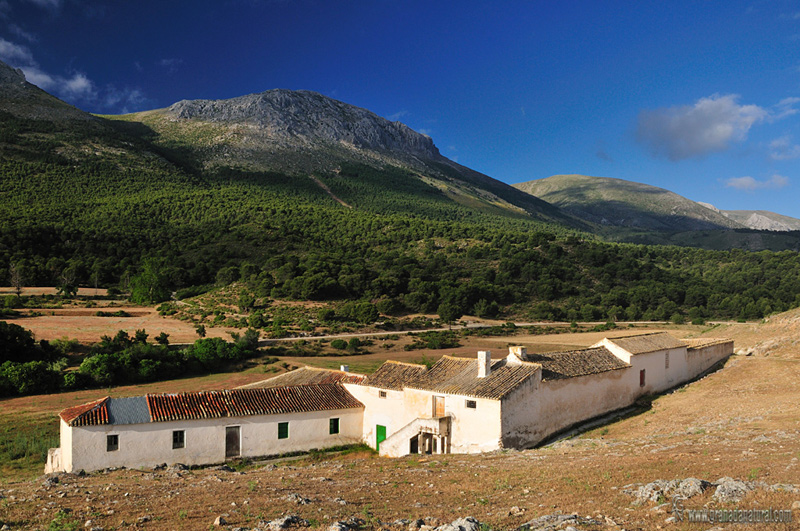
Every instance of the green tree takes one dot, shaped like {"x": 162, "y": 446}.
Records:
{"x": 150, "y": 286}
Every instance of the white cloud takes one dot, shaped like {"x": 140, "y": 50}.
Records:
{"x": 171, "y": 64}
{"x": 426, "y": 132}
{"x": 708, "y": 126}
{"x": 784, "y": 108}
{"x": 750, "y": 184}
{"x": 124, "y": 100}
{"x": 396, "y": 116}
{"x": 783, "y": 149}
{"x": 21, "y": 33}
{"x": 76, "y": 88}
{"x": 15, "y": 54}
{"x": 47, "y": 4}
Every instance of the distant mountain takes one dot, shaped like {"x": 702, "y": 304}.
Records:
{"x": 620, "y": 203}
{"x": 303, "y": 132}
{"x": 23, "y": 100}
{"x": 759, "y": 219}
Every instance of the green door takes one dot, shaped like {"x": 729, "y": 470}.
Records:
{"x": 380, "y": 436}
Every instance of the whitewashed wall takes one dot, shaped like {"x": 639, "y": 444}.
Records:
{"x": 389, "y": 411}
{"x": 150, "y": 444}
{"x": 531, "y": 416}
{"x": 471, "y": 430}
{"x": 701, "y": 359}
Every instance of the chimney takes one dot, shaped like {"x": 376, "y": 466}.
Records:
{"x": 484, "y": 363}
{"x": 518, "y": 351}
{"x": 344, "y": 368}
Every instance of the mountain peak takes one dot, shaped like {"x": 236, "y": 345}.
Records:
{"x": 309, "y": 117}
{"x": 10, "y": 75}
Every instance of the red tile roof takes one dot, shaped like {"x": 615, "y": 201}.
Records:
{"x": 91, "y": 414}
{"x": 459, "y": 376}
{"x": 395, "y": 375}
{"x": 246, "y": 402}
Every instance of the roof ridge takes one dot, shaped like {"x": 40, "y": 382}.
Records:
{"x": 408, "y": 363}
{"x": 643, "y": 334}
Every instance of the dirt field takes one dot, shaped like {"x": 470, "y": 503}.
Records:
{"x": 84, "y": 325}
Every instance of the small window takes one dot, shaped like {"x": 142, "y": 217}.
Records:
{"x": 334, "y": 426}
{"x": 283, "y": 430}
{"x": 178, "y": 439}
{"x": 641, "y": 378}
{"x": 382, "y": 394}
{"x": 472, "y": 404}
{"x": 112, "y": 443}
{"x": 666, "y": 360}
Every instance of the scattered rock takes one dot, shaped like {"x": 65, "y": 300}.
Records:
{"x": 286, "y": 522}
{"x": 220, "y": 521}
{"x": 143, "y": 519}
{"x": 796, "y": 505}
{"x": 692, "y": 487}
{"x": 515, "y": 511}
{"x": 222, "y": 468}
{"x": 553, "y": 522}
{"x": 462, "y": 524}
{"x": 296, "y": 498}
{"x": 347, "y": 525}
{"x": 731, "y": 490}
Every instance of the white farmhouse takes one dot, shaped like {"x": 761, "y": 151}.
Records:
{"x": 457, "y": 405}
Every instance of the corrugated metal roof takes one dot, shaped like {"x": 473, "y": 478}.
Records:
{"x": 90, "y": 414}
{"x": 395, "y": 375}
{"x": 131, "y": 410}
{"x": 569, "y": 364}
{"x": 247, "y": 402}
{"x": 459, "y": 376}
{"x": 307, "y": 376}
{"x": 644, "y": 343}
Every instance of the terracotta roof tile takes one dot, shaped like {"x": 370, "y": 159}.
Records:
{"x": 697, "y": 343}
{"x": 395, "y": 375}
{"x": 459, "y": 376}
{"x": 644, "y": 343}
{"x": 246, "y": 402}
{"x": 91, "y": 414}
{"x": 307, "y": 376}
{"x": 569, "y": 364}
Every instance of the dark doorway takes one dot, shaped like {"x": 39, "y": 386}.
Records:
{"x": 232, "y": 444}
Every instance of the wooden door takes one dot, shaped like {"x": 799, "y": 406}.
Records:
{"x": 380, "y": 436}
{"x": 232, "y": 442}
{"x": 438, "y": 406}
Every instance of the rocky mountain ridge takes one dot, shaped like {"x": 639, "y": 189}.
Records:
{"x": 308, "y": 117}
{"x": 758, "y": 219}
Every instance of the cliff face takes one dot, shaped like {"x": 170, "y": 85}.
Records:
{"x": 309, "y": 118}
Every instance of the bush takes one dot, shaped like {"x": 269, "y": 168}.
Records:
{"x": 340, "y": 344}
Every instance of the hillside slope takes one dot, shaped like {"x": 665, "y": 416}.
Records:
{"x": 302, "y": 132}
{"x": 759, "y": 219}
{"x": 620, "y": 203}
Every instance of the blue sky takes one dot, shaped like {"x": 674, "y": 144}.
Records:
{"x": 699, "y": 97}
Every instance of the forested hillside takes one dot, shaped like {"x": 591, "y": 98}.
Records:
{"x": 113, "y": 203}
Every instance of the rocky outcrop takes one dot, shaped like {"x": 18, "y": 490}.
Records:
{"x": 309, "y": 118}
{"x": 726, "y": 490}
